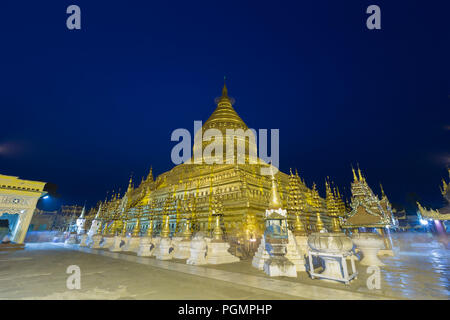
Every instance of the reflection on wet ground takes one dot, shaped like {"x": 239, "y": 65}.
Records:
{"x": 420, "y": 268}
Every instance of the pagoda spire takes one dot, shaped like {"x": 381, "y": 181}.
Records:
{"x": 361, "y": 178}
{"x": 130, "y": 184}
{"x": 225, "y": 99}
{"x": 83, "y": 212}
{"x": 150, "y": 174}
{"x": 382, "y": 191}
{"x": 224, "y": 89}
{"x": 275, "y": 201}
{"x": 98, "y": 212}
{"x": 354, "y": 175}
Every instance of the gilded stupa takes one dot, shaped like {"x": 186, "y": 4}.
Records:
{"x": 187, "y": 192}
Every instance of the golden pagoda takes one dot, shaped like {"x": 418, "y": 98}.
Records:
{"x": 186, "y": 191}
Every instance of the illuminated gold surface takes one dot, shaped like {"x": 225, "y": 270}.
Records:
{"x": 367, "y": 209}
{"x": 165, "y": 232}
{"x": 442, "y": 213}
{"x": 217, "y": 232}
{"x": 137, "y": 228}
{"x": 186, "y": 192}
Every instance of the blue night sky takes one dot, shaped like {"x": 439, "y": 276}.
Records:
{"x": 83, "y": 109}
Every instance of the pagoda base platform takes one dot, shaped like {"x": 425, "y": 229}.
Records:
{"x": 117, "y": 245}
{"x": 84, "y": 240}
{"x": 218, "y": 253}
{"x": 146, "y": 247}
{"x": 302, "y": 244}
{"x": 182, "y": 249}
{"x": 164, "y": 250}
{"x": 198, "y": 251}
{"x": 131, "y": 244}
{"x": 293, "y": 253}
{"x": 96, "y": 240}
{"x": 280, "y": 267}
{"x": 260, "y": 256}
{"x": 106, "y": 242}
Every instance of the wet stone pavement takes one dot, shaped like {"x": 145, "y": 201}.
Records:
{"x": 420, "y": 269}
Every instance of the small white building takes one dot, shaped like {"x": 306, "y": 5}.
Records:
{"x": 18, "y": 199}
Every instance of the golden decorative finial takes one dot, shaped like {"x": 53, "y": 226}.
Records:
{"x": 335, "y": 225}
{"x": 150, "y": 228}
{"x": 187, "y": 230}
{"x": 217, "y": 233}
{"x": 124, "y": 229}
{"x": 137, "y": 228}
{"x": 112, "y": 228}
{"x": 319, "y": 223}
{"x": 275, "y": 201}
{"x": 150, "y": 174}
{"x": 165, "y": 232}
{"x": 382, "y": 191}
{"x": 354, "y": 175}
{"x": 445, "y": 187}
{"x": 299, "y": 228}
{"x": 359, "y": 174}
{"x": 224, "y": 89}
{"x": 99, "y": 228}
{"x": 130, "y": 183}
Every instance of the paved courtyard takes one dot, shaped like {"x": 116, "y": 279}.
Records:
{"x": 418, "y": 271}
{"x": 39, "y": 272}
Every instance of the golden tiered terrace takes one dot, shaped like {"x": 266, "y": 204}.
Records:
{"x": 189, "y": 192}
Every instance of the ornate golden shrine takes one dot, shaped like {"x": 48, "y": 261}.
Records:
{"x": 442, "y": 214}
{"x": 367, "y": 210}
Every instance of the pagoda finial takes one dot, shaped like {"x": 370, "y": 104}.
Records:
{"x": 130, "y": 183}
{"x": 224, "y": 89}
{"x": 275, "y": 201}
{"x": 337, "y": 192}
{"x": 382, "y": 190}
{"x": 359, "y": 174}
{"x": 354, "y": 175}
{"x": 150, "y": 174}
